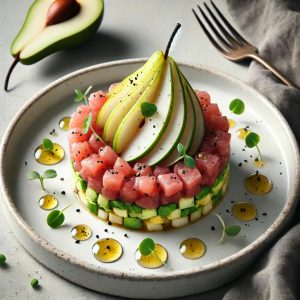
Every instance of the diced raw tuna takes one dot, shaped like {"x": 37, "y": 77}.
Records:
{"x": 222, "y": 140}
{"x": 108, "y": 155}
{"x": 160, "y": 170}
{"x": 80, "y": 151}
{"x": 208, "y": 165}
{"x": 128, "y": 192}
{"x": 218, "y": 123}
{"x": 77, "y": 166}
{"x": 96, "y": 100}
{"x": 95, "y": 143}
{"x": 77, "y": 119}
{"x": 170, "y": 183}
{"x": 169, "y": 199}
{"x": 123, "y": 166}
{"x": 193, "y": 191}
{"x": 113, "y": 180}
{"x": 76, "y": 135}
{"x": 95, "y": 184}
{"x": 93, "y": 166}
{"x": 142, "y": 169}
{"x": 146, "y": 185}
{"x": 211, "y": 110}
{"x": 109, "y": 194}
{"x": 203, "y": 97}
{"x": 148, "y": 202}
{"x": 190, "y": 177}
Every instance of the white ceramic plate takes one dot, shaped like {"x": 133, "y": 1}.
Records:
{"x": 222, "y": 262}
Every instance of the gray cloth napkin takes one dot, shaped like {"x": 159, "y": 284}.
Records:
{"x": 274, "y": 27}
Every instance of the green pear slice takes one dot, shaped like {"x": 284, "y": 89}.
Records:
{"x": 126, "y": 88}
{"x": 154, "y": 127}
{"x": 141, "y": 90}
{"x": 190, "y": 126}
{"x": 36, "y": 40}
{"x": 130, "y": 124}
{"x": 175, "y": 128}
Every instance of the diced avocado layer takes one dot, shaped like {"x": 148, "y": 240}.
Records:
{"x": 189, "y": 209}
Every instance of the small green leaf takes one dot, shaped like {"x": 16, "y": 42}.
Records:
{"x": 232, "y": 230}
{"x": 87, "y": 123}
{"x": 180, "y": 149}
{"x": 34, "y": 282}
{"x": 147, "y": 246}
{"x": 148, "y": 109}
{"x": 189, "y": 161}
{"x": 88, "y": 90}
{"x": 48, "y": 145}
{"x": 252, "y": 139}
{"x": 79, "y": 95}
{"x": 237, "y": 106}
{"x": 55, "y": 218}
{"x": 33, "y": 175}
{"x": 50, "y": 174}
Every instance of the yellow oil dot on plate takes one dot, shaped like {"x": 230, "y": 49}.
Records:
{"x": 46, "y": 157}
{"x": 244, "y": 211}
{"x": 258, "y": 184}
{"x": 64, "y": 123}
{"x": 259, "y": 163}
{"x": 48, "y": 202}
{"x": 81, "y": 232}
{"x": 232, "y": 123}
{"x": 107, "y": 250}
{"x": 192, "y": 248}
{"x": 242, "y": 133}
{"x": 154, "y": 260}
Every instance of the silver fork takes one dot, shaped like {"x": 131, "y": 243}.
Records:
{"x": 231, "y": 44}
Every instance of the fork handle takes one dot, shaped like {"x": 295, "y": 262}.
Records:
{"x": 274, "y": 70}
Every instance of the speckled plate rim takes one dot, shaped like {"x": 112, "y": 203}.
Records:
{"x": 272, "y": 232}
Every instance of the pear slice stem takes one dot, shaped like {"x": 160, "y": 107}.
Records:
{"x": 178, "y": 25}
{"x": 17, "y": 59}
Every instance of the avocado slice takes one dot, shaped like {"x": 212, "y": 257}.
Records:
{"x": 91, "y": 194}
{"x": 133, "y": 223}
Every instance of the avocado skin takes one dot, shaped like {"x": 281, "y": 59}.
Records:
{"x": 68, "y": 42}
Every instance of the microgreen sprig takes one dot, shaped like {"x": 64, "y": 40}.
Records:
{"x": 48, "y": 174}
{"x": 56, "y": 217}
{"x": 252, "y": 140}
{"x": 188, "y": 160}
{"x": 237, "y": 106}
{"x": 48, "y": 145}
{"x": 82, "y": 96}
{"x": 232, "y": 230}
{"x": 87, "y": 122}
{"x": 148, "y": 109}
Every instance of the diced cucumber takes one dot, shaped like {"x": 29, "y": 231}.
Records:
{"x": 91, "y": 194}
{"x": 120, "y": 212}
{"x": 134, "y": 223}
{"x": 204, "y": 200}
{"x": 157, "y": 220}
{"x": 175, "y": 214}
{"x": 93, "y": 207}
{"x": 102, "y": 214}
{"x": 103, "y": 202}
{"x": 216, "y": 188}
{"x": 196, "y": 215}
{"x": 81, "y": 184}
{"x": 186, "y": 202}
{"x": 207, "y": 208}
{"x": 216, "y": 198}
{"x": 204, "y": 191}
{"x": 180, "y": 222}
{"x": 184, "y": 212}
{"x": 82, "y": 197}
{"x": 148, "y": 213}
{"x": 153, "y": 227}
{"x": 224, "y": 187}
{"x": 115, "y": 218}
{"x": 165, "y": 210}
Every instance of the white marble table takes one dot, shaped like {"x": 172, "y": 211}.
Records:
{"x": 130, "y": 28}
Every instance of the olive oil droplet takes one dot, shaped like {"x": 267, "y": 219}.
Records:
{"x": 81, "y": 232}
{"x": 154, "y": 260}
{"x": 259, "y": 163}
{"x": 242, "y": 133}
{"x": 192, "y": 248}
{"x": 107, "y": 250}
{"x": 48, "y": 202}
{"x": 258, "y": 184}
{"x": 232, "y": 123}
{"x": 46, "y": 157}
{"x": 244, "y": 211}
{"x": 64, "y": 123}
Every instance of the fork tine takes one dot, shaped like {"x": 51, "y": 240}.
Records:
{"x": 232, "y": 30}
{"x": 216, "y": 32}
{"x": 228, "y": 36}
{"x": 208, "y": 34}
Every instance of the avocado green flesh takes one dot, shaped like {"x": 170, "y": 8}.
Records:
{"x": 35, "y": 41}
{"x": 136, "y": 217}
